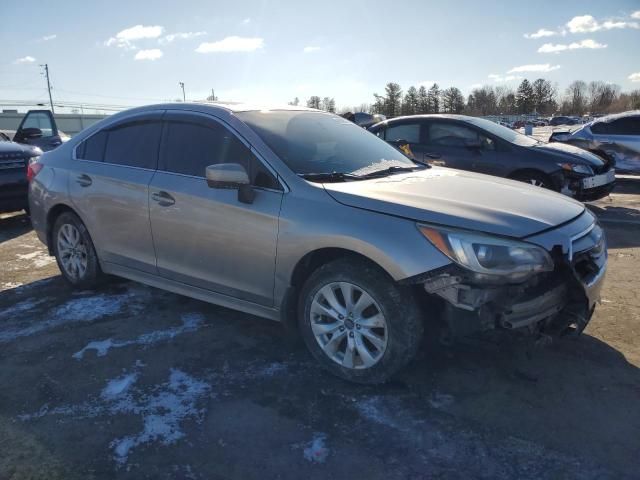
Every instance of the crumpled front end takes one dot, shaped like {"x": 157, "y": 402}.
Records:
{"x": 550, "y": 303}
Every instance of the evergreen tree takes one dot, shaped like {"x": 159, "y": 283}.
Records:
{"x": 434, "y": 99}
{"x": 423, "y": 100}
{"x": 524, "y": 97}
{"x": 393, "y": 99}
{"x": 410, "y": 103}
{"x": 314, "y": 102}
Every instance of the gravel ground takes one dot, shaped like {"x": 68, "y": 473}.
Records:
{"x": 133, "y": 382}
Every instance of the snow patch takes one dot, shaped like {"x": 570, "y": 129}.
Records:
{"x": 162, "y": 413}
{"x": 316, "y": 451}
{"x": 162, "y": 410}
{"x": 190, "y": 323}
{"x": 9, "y": 285}
{"x": 40, "y": 259}
{"x": 83, "y": 309}
{"x": 119, "y": 385}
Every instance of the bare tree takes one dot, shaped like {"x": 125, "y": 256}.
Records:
{"x": 575, "y": 98}
{"x": 328, "y": 105}
{"x": 452, "y": 100}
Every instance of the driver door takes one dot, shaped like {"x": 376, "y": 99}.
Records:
{"x": 460, "y": 146}
{"x": 38, "y": 128}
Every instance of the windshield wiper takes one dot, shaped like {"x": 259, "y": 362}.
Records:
{"x": 393, "y": 169}
{"x": 329, "y": 176}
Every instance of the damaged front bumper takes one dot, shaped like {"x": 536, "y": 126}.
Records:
{"x": 552, "y": 303}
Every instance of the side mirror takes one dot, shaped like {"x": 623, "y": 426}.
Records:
{"x": 231, "y": 175}
{"x": 31, "y": 133}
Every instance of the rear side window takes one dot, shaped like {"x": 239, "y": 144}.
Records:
{"x": 410, "y": 132}
{"x": 622, "y": 126}
{"x": 134, "y": 144}
{"x": 93, "y": 147}
{"x": 190, "y": 147}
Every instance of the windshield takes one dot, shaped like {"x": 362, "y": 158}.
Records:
{"x": 322, "y": 143}
{"x": 504, "y": 133}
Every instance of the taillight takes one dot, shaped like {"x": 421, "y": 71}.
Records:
{"x": 33, "y": 169}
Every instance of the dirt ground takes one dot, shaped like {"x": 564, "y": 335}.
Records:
{"x": 132, "y": 382}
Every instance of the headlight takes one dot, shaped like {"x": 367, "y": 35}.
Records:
{"x": 577, "y": 168}
{"x": 489, "y": 255}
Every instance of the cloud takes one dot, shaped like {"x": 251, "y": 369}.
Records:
{"x": 588, "y": 24}
{"x": 636, "y": 15}
{"x": 126, "y": 37}
{"x": 46, "y": 38}
{"x": 475, "y": 85}
{"x": 232, "y": 44}
{"x": 561, "y": 47}
{"x": 310, "y": 49}
{"x": 503, "y": 78}
{"x": 540, "y": 67}
{"x": 152, "y": 54}
{"x": 246, "y": 21}
{"x": 169, "y": 38}
{"x": 27, "y": 59}
{"x": 634, "y": 77}
{"x": 540, "y": 33}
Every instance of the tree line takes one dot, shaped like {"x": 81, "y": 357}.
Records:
{"x": 530, "y": 97}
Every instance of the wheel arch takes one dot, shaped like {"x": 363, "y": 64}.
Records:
{"x": 308, "y": 264}
{"x": 53, "y": 213}
{"x": 522, "y": 172}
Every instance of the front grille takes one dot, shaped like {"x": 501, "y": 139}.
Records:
{"x": 9, "y": 161}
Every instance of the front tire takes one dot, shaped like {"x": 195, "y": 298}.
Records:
{"x": 75, "y": 253}
{"x": 536, "y": 179}
{"x": 357, "y": 322}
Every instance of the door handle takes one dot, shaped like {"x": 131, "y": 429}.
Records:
{"x": 163, "y": 198}
{"x": 84, "y": 180}
{"x": 432, "y": 155}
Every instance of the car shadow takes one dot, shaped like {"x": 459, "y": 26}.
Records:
{"x": 575, "y": 395}
{"x": 13, "y": 226}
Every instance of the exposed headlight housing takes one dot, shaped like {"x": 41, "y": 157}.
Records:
{"x": 577, "y": 168}
{"x": 488, "y": 255}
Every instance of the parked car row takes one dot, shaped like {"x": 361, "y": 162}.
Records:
{"x": 301, "y": 216}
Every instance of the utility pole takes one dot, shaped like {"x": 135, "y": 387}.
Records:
{"x": 184, "y": 98}
{"x": 46, "y": 73}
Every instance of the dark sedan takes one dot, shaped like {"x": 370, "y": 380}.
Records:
{"x": 470, "y": 143}
{"x": 14, "y": 160}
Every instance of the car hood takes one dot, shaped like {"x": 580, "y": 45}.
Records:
{"x": 460, "y": 199}
{"x": 570, "y": 153}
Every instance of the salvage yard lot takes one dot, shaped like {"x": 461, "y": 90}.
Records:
{"x": 132, "y": 382}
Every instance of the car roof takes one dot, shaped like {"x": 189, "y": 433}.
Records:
{"x": 616, "y": 116}
{"x": 232, "y": 107}
{"x": 448, "y": 116}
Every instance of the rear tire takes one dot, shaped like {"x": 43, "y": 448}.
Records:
{"x": 75, "y": 253}
{"x": 381, "y": 335}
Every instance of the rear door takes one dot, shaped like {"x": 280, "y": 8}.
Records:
{"x": 458, "y": 145}
{"x": 620, "y": 139}
{"x": 109, "y": 186}
{"x": 38, "y": 128}
{"x": 205, "y": 236}
{"x": 408, "y": 137}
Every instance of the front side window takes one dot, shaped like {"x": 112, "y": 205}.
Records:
{"x": 316, "y": 142}
{"x": 454, "y": 135}
{"x": 134, "y": 144}
{"x": 191, "y": 146}
{"x": 409, "y": 132}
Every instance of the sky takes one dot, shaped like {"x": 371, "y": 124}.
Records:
{"x": 137, "y": 52}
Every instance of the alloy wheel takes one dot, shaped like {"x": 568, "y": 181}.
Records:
{"x": 72, "y": 251}
{"x": 349, "y": 325}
